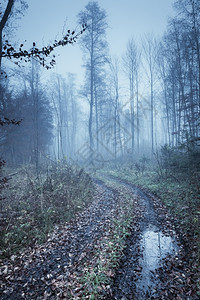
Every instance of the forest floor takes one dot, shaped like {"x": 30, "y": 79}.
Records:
{"x": 122, "y": 246}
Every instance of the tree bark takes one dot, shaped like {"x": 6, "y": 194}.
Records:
{"x": 3, "y": 23}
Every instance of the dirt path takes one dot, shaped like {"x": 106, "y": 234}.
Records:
{"x": 155, "y": 264}
{"x": 53, "y": 270}
{"x": 136, "y": 277}
{"x": 51, "y": 263}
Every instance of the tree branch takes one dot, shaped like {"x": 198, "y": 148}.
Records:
{"x": 10, "y": 52}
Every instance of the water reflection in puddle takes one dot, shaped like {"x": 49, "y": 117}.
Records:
{"x": 155, "y": 246}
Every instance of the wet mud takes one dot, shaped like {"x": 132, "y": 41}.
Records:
{"x": 42, "y": 272}
{"x": 36, "y": 272}
{"x": 146, "y": 248}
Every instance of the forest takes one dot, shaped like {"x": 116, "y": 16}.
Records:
{"x": 95, "y": 176}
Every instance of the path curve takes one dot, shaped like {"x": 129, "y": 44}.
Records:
{"x": 45, "y": 271}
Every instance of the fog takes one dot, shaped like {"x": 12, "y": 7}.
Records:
{"x": 127, "y": 98}
{"x": 65, "y": 118}
{"x": 99, "y": 149}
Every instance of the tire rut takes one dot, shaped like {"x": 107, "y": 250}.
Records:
{"x": 60, "y": 255}
{"x": 135, "y": 279}
{"x": 38, "y": 272}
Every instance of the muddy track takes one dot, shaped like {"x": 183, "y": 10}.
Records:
{"x": 42, "y": 272}
{"x": 155, "y": 264}
{"x": 135, "y": 278}
{"x": 63, "y": 251}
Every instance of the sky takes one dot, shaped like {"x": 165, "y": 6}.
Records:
{"x": 45, "y": 20}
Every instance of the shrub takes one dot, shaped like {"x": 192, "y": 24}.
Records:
{"x": 33, "y": 206}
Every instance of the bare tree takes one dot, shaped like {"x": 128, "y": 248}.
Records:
{"x": 149, "y": 51}
{"x": 71, "y": 113}
{"x": 131, "y": 61}
{"x": 114, "y": 68}
{"x": 3, "y": 21}
{"x": 94, "y": 45}
{"x": 63, "y": 97}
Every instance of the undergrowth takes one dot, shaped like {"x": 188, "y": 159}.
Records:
{"x": 173, "y": 176}
{"x": 97, "y": 274}
{"x": 32, "y": 206}
{"x": 181, "y": 198}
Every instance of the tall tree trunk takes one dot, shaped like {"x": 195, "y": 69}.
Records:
{"x": 152, "y": 114}
{"x": 132, "y": 118}
{"x": 174, "y": 114}
{"x": 3, "y": 23}
{"x": 91, "y": 98}
{"x": 138, "y": 120}
{"x": 96, "y": 117}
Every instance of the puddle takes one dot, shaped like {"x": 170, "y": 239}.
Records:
{"x": 154, "y": 247}
{"x": 136, "y": 277}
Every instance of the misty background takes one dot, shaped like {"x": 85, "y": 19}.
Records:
{"x": 99, "y": 129}
{"x": 120, "y": 91}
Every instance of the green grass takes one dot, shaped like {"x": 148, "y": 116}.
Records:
{"x": 32, "y": 207}
{"x": 98, "y": 272}
{"x": 99, "y": 277}
{"x": 179, "y": 192}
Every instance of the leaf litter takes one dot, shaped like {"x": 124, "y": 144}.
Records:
{"x": 99, "y": 254}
